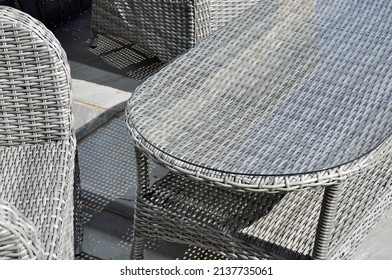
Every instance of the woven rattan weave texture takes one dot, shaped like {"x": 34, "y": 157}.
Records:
{"x": 37, "y": 142}
{"x": 167, "y": 28}
{"x": 284, "y": 90}
{"x": 291, "y": 96}
{"x": 18, "y": 236}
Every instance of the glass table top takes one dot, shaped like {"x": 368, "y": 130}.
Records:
{"x": 289, "y": 87}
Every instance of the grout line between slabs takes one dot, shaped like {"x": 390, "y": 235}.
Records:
{"x": 94, "y": 107}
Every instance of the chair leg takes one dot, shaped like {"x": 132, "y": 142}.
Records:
{"x": 326, "y": 222}
{"x": 142, "y": 172}
{"x": 137, "y": 247}
{"x": 93, "y": 39}
{"x": 78, "y": 208}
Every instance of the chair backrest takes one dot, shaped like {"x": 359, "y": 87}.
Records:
{"x": 35, "y": 82}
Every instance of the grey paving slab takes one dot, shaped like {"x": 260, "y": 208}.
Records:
{"x": 83, "y": 114}
{"x": 98, "y": 76}
{"x": 114, "y": 55}
{"x": 88, "y": 118}
{"x": 107, "y": 168}
{"x": 102, "y": 77}
{"x": 377, "y": 245}
{"x": 108, "y": 236}
{"x": 104, "y": 235}
{"x": 101, "y": 88}
{"x": 109, "y": 178}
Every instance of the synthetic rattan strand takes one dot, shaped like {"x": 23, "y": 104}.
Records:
{"x": 18, "y": 236}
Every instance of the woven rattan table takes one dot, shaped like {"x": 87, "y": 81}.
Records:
{"x": 276, "y": 131}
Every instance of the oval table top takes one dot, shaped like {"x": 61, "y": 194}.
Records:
{"x": 289, "y": 87}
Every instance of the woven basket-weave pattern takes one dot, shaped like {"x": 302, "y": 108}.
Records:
{"x": 18, "y": 236}
{"x": 35, "y": 85}
{"x": 249, "y": 225}
{"x": 37, "y": 142}
{"x": 277, "y": 130}
{"x": 227, "y": 106}
{"x": 167, "y": 28}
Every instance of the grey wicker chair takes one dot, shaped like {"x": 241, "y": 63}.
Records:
{"x": 166, "y": 28}
{"x": 37, "y": 142}
{"x": 18, "y": 236}
{"x": 276, "y": 130}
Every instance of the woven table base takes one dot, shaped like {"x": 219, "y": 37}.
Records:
{"x": 242, "y": 225}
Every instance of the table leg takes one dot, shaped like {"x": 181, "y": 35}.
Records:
{"x": 326, "y": 222}
{"x": 143, "y": 183}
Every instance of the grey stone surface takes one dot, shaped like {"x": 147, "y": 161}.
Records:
{"x": 107, "y": 168}
{"x": 104, "y": 235}
{"x": 108, "y": 236}
{"x": 83, "y": 114}
{"x": 113, "y": 55}
{"x": 88, "y": 118}
{"x": 377, "y": 245}
{"x": 101, "y": 88}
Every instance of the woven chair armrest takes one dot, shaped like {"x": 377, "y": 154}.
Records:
{"x": 19, "y": 238}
